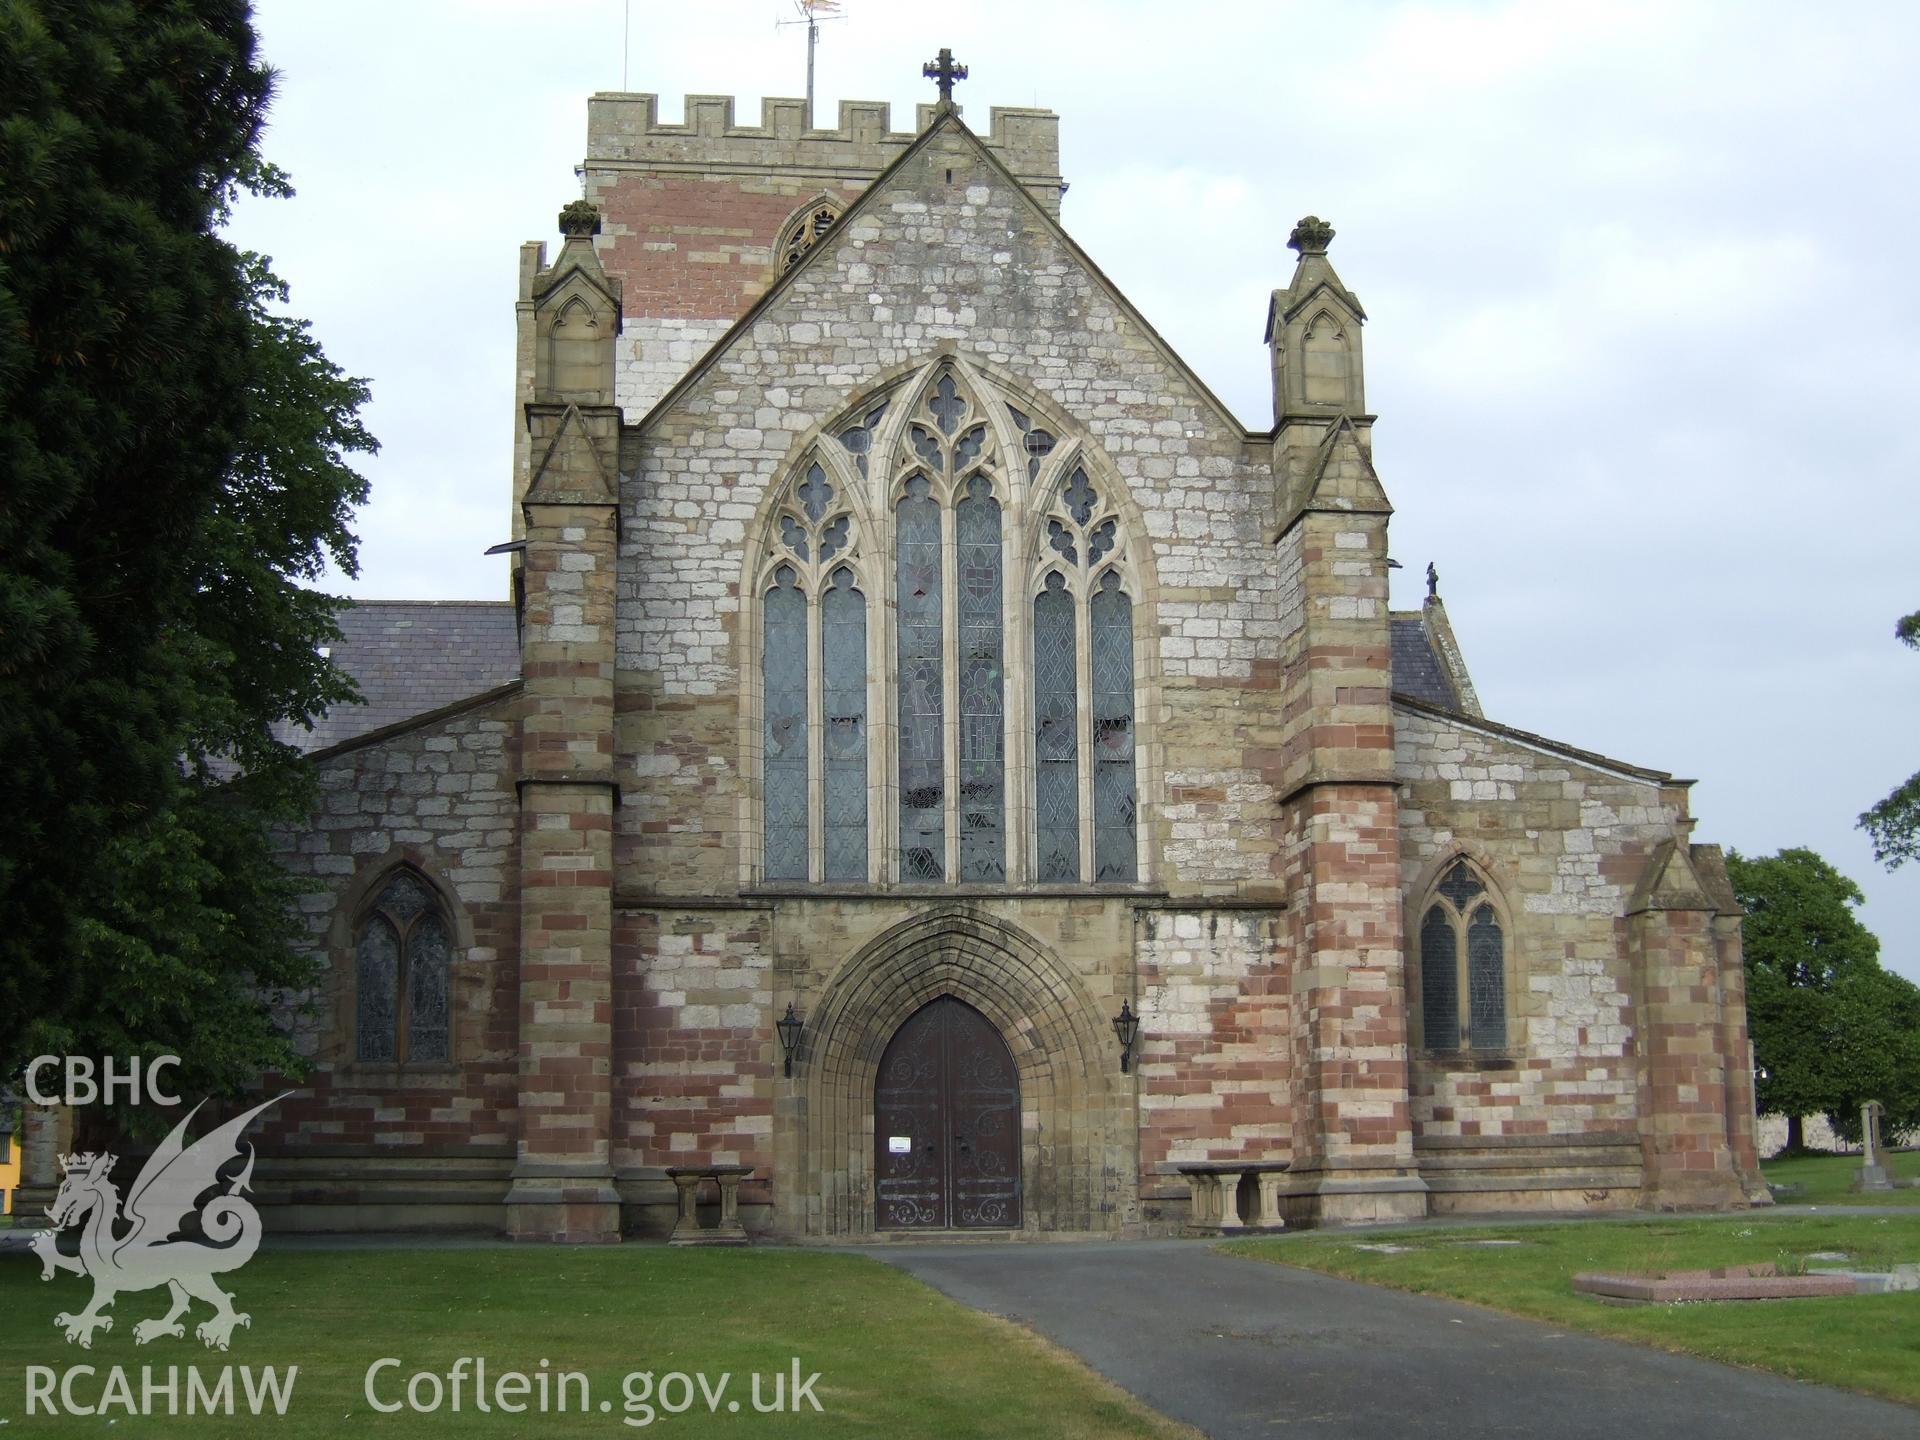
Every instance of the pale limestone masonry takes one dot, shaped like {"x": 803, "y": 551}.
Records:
{"x": 709, "y": 411}
{"x": 1566, "y": 840}
{"x": 652, "y": 356}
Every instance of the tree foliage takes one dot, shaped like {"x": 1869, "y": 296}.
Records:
{"x": 176, "y": 462}
{"x": 1831, "y": 1028}
{"x": 1894, "y": 824}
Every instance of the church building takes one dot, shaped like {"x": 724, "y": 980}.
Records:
{"x": 938, "y": 770}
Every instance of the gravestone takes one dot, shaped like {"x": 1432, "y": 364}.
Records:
{"x": 1873, "y": 1169}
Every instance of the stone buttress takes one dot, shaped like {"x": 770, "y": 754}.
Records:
{"x": 1696, "y": 1095}
{"x": 1334, "y": 768}
{"x": 563, "y": 1181}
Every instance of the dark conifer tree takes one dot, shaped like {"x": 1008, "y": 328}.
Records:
{"x": 175, "y": 466}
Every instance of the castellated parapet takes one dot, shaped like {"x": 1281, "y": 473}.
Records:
{"x": 625, "y": 130}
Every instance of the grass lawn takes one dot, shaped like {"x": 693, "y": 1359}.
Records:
{"x": 896, "y": 1358}
{"x": 1827, "y": 1179}
{"x": 1864, "y": 1342}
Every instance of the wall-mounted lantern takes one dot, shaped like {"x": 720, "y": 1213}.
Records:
{"x": 1126, "y": 1027}
{"x": 789, "y": 1026}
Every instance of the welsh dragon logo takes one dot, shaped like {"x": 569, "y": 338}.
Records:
{"x": 138, "y": 1246}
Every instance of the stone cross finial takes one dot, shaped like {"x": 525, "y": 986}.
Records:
{"x": 1311, "y": 236}
{"x": 943, "y": 71}
{"x": 580, "y": 217}
{"x": 1433, "y": 582}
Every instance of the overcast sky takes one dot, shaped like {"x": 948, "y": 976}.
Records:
{"x": 1644, "y": 332}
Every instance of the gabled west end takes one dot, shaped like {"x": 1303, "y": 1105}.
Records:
{"x": 1622, "y": 1076}
{"x": 902, "y": 634}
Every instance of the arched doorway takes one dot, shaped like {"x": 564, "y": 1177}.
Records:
{"x": 946, "y": 1124}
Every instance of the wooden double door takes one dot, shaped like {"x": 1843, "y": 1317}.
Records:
{"x": 946, "y": 1123}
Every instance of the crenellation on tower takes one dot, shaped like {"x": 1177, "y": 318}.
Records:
{"x": 626, "y": 129}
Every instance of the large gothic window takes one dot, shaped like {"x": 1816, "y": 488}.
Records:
{"x": 999, "y": 662}
{"x": 1085, "y": 793}
{"x": 1463, "y": 965}
{"x": 401, "y": 951}
{"x": 948, "y": 520}
{"x": 814, "y": 690}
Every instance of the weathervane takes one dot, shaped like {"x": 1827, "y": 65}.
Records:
{"x": 943, "y": 71}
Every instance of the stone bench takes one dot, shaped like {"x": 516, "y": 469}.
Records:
{"x": 1214, "y": 1190}
{"x": 688, "y": 1230}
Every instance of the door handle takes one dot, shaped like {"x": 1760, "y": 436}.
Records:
{"x": 961, "y": 1141}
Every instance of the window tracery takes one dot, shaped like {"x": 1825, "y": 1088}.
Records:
{"x": 814, "y": 691}
{"x": 803, "y": 231}
{"x": 964, "y": 485}
{"x": 1463, "y": 957}
{"x": 402, "y": 949}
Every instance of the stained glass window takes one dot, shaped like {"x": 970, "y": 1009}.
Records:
{"x": 427, "y": 988}
{"x": 377, "y": 987}
{"x": 858, "y": 437}
{"x": 1463, "y": 965}
{"x": 927, "y": 448}
{"x": 402, "y": 954}
{"x": 923, "y": 849}
{"x": 946, "y": 405}
{"x": 844, "y": 626}
{"x": 983, "y": 846}
{"x": 802, "y": 231}
{"x": 1114, "y": 797}
{"x": 784, "y": 708}
{"x": 815, "y": 494}
{"x": 1461, "y": 885}
{"x": 1056, "y": 750}
{"x": 951, "y": 510}
{"x": 1080, "y": 498}
{"x": 1439, "y": 982}
{"x": 1037, "y": 443}
{"x": 1486, "y": 980}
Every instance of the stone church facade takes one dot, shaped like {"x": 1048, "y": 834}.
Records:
{"x": 905, "y": 643}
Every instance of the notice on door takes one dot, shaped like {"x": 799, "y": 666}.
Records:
{"x": 899, "y": 1145}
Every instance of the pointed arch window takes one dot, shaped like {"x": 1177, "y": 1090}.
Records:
{"x": 950, "y": 640}
{"x": 814, "y": 700}
{"x": 1463, "y": 965}
{"x": 402, "y": 948}
{"x": 1001, "y": 661}
{"x": 1086, "y": 796}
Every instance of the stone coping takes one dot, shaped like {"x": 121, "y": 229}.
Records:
{"x": 1728, "y": 1282}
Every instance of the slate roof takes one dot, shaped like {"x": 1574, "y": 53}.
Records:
{"x": 412, "y": 657}
{"x": 1417, "y": 670}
